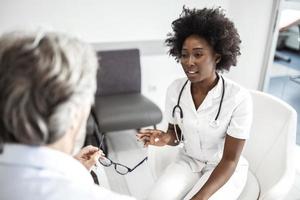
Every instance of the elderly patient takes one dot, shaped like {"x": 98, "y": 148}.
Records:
{"x": 47, "y": 84}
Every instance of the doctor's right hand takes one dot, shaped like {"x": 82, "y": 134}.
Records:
{"x": 153, "y": 137}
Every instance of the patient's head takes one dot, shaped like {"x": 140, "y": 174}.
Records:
{"x": 47, "y": 85}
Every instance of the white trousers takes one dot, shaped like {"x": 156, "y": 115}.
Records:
{"x": 179, "y": 182}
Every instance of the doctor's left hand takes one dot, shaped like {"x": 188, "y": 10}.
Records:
{"x": 153, "y": 137}
{"x": 88, "y": 156}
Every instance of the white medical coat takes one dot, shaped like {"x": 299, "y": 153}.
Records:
{"x": 203, "y": 146}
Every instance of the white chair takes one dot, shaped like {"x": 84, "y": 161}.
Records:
{"x": 270, "y": 150}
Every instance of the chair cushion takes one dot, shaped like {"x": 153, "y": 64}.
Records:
{"x": 126, "y": 111}
{"x": 251, "y": 190}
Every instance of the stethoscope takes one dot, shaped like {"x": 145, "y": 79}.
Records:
{"x": 214, "y": 123}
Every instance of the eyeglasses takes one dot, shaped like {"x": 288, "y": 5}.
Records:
{"x": 121, "y": 169}
{"x": 106, "y": 162}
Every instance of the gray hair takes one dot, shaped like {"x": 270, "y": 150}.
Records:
{"x": 44, "y": 79}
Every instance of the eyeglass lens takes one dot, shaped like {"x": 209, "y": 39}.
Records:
{"x": 105, "y": 161}
{"x": 121, "y": 169}
{"x": 118, "y": 167}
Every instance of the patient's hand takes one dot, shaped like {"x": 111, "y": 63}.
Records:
{"x": 88, "y": 156}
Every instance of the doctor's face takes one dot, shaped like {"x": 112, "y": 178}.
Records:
{"x": 198, "y": 59}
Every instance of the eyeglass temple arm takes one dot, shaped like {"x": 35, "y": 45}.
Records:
{"x": 139, "y": 164}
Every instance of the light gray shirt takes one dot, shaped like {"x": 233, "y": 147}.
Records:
{"x": 35, "y": 173}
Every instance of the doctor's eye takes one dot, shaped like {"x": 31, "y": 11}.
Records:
{"x": 198, "y": 55}
{"x": 184, "y": 56}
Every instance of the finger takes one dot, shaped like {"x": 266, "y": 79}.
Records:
{"x": 91, "y": 148}
{"x": 147, "y": 144}
{"x": 98, "y": 152}
{"x": 88, "y": 149}
{"x": 89, "y": 154}
{"x": 96, "y": 155}
{"x": 156, "y": 133}
{"x": 145, "y": 130}
{"x": 138, "y": 135}
{"x": 144, "y": 139}
{"x": 152, "y": 140}
{"x": 92, "y": 161}
{"x": 152, "y": 133}
{"x": 101, "y": 153}
{"x": 148, "y": 132}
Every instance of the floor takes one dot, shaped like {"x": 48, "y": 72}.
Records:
{"x": 125, "y": 149}
{"x": 292, "y": 55}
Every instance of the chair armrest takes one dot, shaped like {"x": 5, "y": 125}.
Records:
{"x": 280, "y": 189}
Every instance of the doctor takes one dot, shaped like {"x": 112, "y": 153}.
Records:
{"x": 208, "y": 114}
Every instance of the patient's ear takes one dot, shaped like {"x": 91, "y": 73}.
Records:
{"x": 80, "y": 133}
{"x": 218, "y": 58}
{"x": 77, "y": 128}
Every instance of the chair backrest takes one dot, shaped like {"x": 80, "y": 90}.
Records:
{"x": 270, "y": 149}
{"x": 119, "y": 72}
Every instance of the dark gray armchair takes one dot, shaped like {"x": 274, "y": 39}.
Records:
{"x": 119, "y": 104}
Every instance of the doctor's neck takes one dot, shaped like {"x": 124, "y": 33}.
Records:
{"x": 205, "y": 85}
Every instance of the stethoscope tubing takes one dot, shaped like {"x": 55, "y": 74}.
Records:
{"x": 177, "y": 106}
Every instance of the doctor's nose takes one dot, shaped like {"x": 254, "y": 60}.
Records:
{"x": 190, "y": 61}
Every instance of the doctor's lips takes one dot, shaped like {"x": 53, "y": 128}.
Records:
{"x": 191, "y": 72}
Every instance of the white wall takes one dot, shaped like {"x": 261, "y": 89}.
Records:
{"x": 97, "y": 20}
{"x": 252, "y": 19}
{"x": 117, "y": 21}
{"x": 102, "y": 21}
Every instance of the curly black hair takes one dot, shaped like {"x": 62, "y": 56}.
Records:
{"x": 210, "y": 24}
